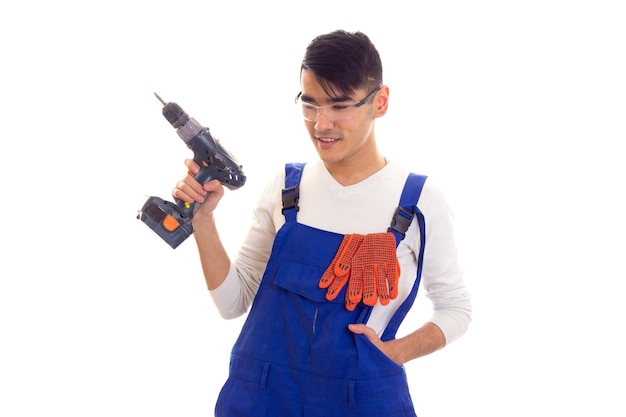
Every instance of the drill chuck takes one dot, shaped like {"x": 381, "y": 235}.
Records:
{"x": 173, "y": 113}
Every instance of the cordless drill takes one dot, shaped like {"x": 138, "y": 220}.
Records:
{"x": 172, "y": 221}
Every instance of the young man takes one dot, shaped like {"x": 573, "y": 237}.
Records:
{"x": 333, "y": 259}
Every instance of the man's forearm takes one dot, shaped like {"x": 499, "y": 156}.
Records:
{"x": 213, "y": 257}
{"x": 427, "y": 339}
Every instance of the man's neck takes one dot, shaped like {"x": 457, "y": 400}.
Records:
{"x": 352, "y": 172}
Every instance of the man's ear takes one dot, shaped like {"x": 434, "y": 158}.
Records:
{"x": 382, "y": 101}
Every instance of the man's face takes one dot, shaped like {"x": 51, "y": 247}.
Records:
{"x": 340, "y": 132}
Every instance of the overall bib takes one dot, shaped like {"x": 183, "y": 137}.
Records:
{"x": 295, "y": 355}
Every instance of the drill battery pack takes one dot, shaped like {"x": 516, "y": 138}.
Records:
{"x": 167, "y": 220}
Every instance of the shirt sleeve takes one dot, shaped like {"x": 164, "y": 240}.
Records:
{"x": 442, "y": 274}
{"x": 234, "y": 296}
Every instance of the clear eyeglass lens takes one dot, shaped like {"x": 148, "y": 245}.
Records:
{"x": 333, "y": 112}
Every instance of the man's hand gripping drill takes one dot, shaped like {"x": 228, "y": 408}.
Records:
{"x": 172, "y": 221}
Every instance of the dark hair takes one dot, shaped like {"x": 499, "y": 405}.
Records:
{"x": 343, "y": 62}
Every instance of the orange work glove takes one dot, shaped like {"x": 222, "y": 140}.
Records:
{"x": 375, "y": 271}
{"x": 338, "y": 272}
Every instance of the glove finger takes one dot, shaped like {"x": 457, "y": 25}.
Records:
{"x": 329, "y": 274}
{"x": 328, "y": 277}
{"x": 340, "y": 258}
{"x": 336, "y": 286}
{"x": 349, "y": 304}
{"x": 370, "y": 275}
{"x": 383, "y": 286}
{"x": 394, "y": 277}
{"x": 349, "y": 246}
{"x": 355, "y": 286}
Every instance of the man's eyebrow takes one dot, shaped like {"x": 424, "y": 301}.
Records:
{"x": 338, "y": 99}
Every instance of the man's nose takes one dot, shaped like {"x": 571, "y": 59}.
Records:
{"x": 322, "y": 121}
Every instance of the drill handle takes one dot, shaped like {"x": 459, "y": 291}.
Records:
{"x": 202, "y": 177}
{"x": 205, "y": 174}
{"x": 186, "y": 209}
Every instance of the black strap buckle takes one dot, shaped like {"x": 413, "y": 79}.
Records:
{"x": 401, "y": 221}
{"x": 291, "y": 196}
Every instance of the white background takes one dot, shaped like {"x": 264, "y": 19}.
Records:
{"x": 516, "y": 108}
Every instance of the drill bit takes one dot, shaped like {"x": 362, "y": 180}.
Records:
{"x": 160, "y": 99}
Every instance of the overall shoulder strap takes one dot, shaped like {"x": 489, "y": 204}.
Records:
{"x": 407, "y": 208}
{"x": 291, "y": 192}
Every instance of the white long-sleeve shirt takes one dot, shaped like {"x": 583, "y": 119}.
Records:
{"x": 366, "y": 207}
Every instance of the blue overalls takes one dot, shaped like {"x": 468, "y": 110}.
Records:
{"x": 295, "y": 355}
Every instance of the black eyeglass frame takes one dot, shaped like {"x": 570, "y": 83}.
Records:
{"x": 357, "y": 104}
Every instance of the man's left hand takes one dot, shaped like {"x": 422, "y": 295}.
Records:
{"x": 384, "y": 347}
